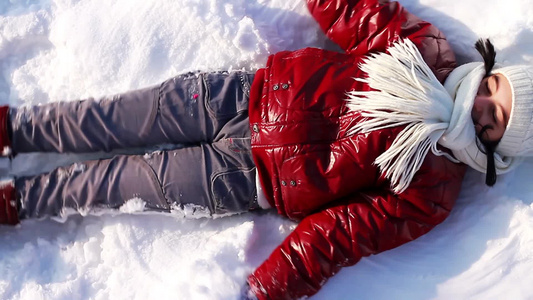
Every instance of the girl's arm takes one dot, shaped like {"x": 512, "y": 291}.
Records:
{"x": 363, "y": 26}
{"x": 370, "y": 222}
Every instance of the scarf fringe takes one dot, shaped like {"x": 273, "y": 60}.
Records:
{"x": 406, "y": 92}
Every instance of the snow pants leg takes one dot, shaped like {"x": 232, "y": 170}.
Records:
{"x": 187, "y": 109}
{"x": 213, "y": 174}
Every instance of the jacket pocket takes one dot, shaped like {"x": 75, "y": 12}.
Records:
{"x": 313, "y": 179}
{"x": 304, "y": 184}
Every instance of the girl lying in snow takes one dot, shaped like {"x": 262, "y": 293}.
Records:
{"x": 367, "y": 148}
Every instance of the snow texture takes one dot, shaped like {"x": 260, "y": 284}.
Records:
{"x": 54, "y": 50}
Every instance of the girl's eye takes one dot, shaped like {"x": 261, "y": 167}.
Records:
{"x": 494, "y": 115}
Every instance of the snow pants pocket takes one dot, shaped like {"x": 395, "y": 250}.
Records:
{"x": 226, "y": 93}
{"x": 234, "y": 190}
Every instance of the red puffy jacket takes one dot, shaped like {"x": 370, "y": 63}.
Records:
{"x": 312, "y": 170}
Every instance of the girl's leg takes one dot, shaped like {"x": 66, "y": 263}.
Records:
{"x": 214, "y": 178}
{"x": 187, "y": 109}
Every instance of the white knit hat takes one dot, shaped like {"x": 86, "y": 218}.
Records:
{"x": 518, "y": 137}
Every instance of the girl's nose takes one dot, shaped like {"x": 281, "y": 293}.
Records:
{"x": 481, "y": 112}
{"x": 477, "y": 108}
{"x": 485, "y": 118}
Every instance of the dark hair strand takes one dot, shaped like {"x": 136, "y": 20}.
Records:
{"x": 486, "y": 49}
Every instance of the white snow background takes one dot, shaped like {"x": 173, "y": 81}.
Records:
{"x": 54, "y": 50}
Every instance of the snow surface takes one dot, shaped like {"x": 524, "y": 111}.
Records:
{"x": 69, "y": 49}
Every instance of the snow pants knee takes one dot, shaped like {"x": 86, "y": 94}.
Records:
{"x": 207, "y": 113}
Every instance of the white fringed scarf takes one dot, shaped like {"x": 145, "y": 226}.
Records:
{"x": 408, "y": 93}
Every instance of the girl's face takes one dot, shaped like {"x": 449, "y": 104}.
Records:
{"x": 492, "y": 107}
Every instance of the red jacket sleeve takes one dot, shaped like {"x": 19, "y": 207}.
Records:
{"x": 363, "y": 26}
{"x": 368, "y": 223}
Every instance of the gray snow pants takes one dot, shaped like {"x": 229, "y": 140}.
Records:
{"x": 206, "y": 112}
